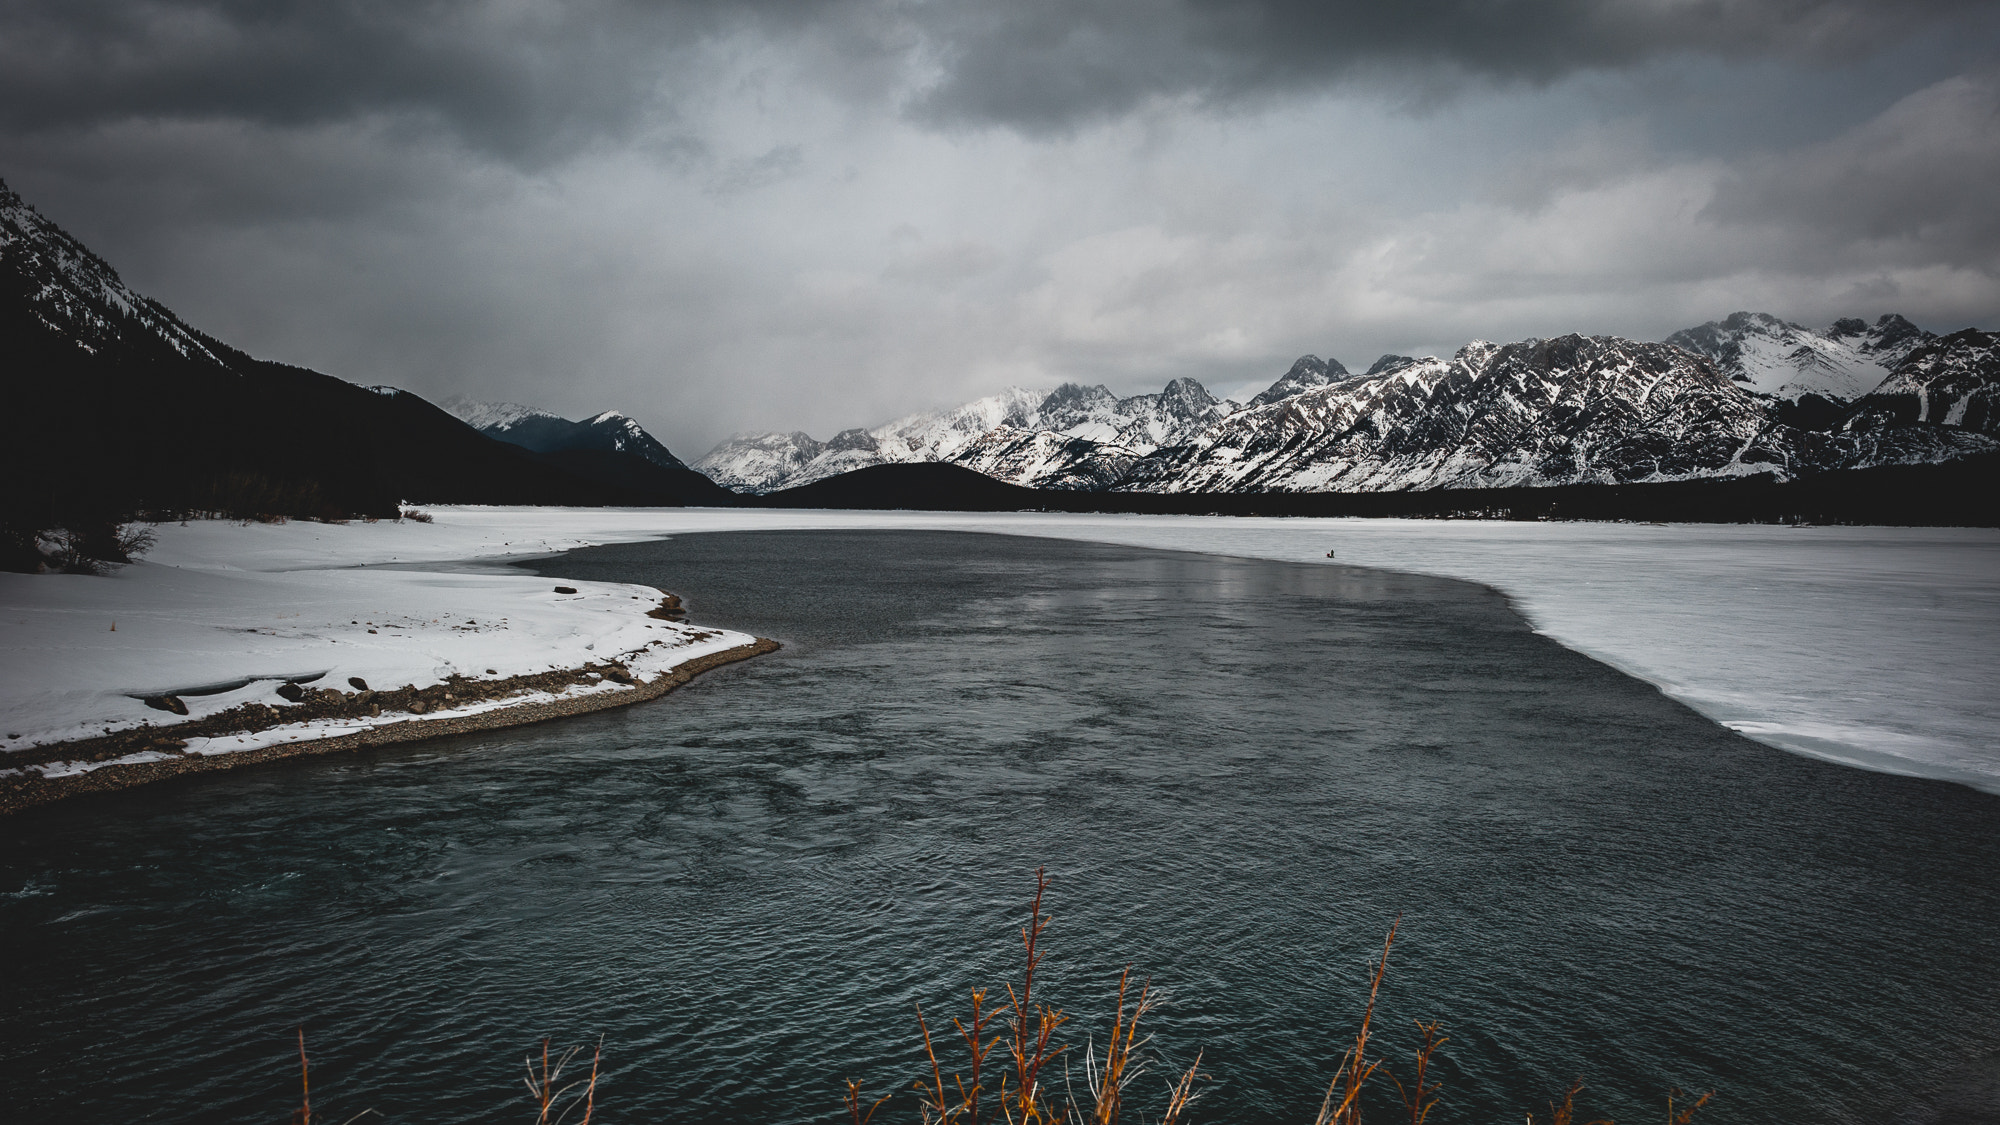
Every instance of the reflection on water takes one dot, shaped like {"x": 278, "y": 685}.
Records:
{"x": 1237, "y": 772}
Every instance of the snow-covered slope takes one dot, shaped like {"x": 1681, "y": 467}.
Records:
{"x": 1792, "y": 365}
{"x": 1573, "y": 409}
{"x": 1952, "y": 381}
{"x": 1745, "y": 395}
{"x": 768, "y": 462}
{"x": 79, "y": 296}
{"x": 1072, "y": 437}
{"x": 533, "y": 428}
{"x": 485, "y": 416}
{"x": 758, "y": 462}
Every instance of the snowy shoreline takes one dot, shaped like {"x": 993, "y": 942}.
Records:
{"x": 220, "y": 650}
{"x": 1874, "y": 647}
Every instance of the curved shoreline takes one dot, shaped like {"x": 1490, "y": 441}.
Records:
{"x": 27, "y": 791}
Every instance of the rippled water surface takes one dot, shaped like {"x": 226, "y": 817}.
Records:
{"x": 1237, "y": 772}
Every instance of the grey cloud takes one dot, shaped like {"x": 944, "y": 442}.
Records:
{"x": 612, "y": 203}
{"x": 776, "y": 165}
{"x": 533, "y": 82}
{"x": 1050, "y": 63}
{"x": 1914, "y": 184}
{"x": 528, "y": 82}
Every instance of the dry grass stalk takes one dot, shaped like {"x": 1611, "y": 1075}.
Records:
{"x": 1121, "y": 1054}
{"x": 1182, "y": 1094}
{"x": 1342, "y": 1104}
{"x": 1031, "y": 1029}
{"x": 546, "y": 1088}
{"x": 1029, "y": 1048}
{"x": 304, "y": 1114}
{"x": 1565, "y": 1114}
{"x": 1686, "y": 1114}
{"x": 1420, "y": 1097}
{"x": 852, "y": 1099}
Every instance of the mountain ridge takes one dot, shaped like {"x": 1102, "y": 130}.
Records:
{"x": 1780, "y": 400}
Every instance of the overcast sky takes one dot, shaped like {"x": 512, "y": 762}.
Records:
{"x": 815, "y": 214}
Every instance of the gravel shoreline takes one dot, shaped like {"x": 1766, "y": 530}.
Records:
{"x": 27, "y": 790}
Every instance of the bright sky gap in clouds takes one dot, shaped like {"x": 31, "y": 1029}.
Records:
{"x": 816, "y": 215}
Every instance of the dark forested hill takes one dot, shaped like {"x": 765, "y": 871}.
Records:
{"x": 114, "y": 405}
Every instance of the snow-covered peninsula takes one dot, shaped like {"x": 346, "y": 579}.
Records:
{"x": 231, "y": 639}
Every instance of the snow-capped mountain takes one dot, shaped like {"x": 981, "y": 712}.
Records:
{"x": 1307, "y": 372}
{"x": 1532, "y": 413}
{"x": 1749, "y": 394}
{"x": 1072, "y": 437}
{"x": 1577, "y": 409}
{"x": 1810, "y": 377}
{"x": 77, "y": 294}
{"x": 768, "y": 462}
{"x": 1951, "y": 380}
{"x": 533, "y": 428}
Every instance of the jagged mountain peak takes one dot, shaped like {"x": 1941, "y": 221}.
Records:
{"x": 1388, "y": 363}
{"x": 1188, "y": 395}
{"x": 1307, "y": 372}
{"x": 1076, "y": 396}
{"x": 1072, "y": 436}
{"x": 854, "y": 438}
{"x": 1812, "y": 376}
{"x": 1951, "y": 380}
{"x": 1566, "y": 409}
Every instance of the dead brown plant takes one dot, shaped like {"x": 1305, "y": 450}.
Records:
{"x": 1025, "y": 1032}
{"x": 547, "y": 1089}
{"x": 1565, "y": 1113}
{"x": 304, "y": 1114}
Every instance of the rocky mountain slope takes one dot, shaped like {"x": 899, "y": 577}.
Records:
{"x": 1952, "y": 381}
{"x": 1809, "y": 377}
{"x": 1749, "y": 394}
{"x": 1573, "y": 410}
{"x": 1074, "y": 436}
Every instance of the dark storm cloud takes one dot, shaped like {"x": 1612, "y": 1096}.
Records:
{"x": 520, "y": 80}
{"x": 529, "y": 81}
{"x": 1048, "y": 63}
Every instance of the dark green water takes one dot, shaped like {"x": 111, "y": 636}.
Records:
{"x": 1238, "y": 772}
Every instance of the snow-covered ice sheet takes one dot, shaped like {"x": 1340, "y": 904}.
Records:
{"x": 219, "y": 619}
{"x": 1878, "y": 647}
